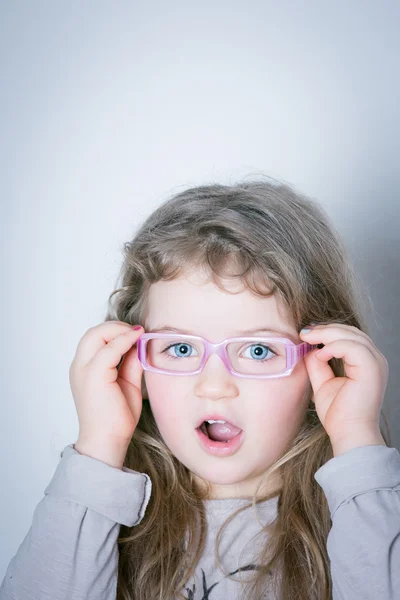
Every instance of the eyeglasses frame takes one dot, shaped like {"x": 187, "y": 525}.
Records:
{"x": 294, "y": 353}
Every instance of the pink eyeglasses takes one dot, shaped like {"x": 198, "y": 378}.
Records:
{"x": 156, "y": 352}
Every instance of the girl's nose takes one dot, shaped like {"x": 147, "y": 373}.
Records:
{"x": 215, "y": 381}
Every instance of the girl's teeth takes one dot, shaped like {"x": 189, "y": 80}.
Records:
{"x": 212, "y": 421}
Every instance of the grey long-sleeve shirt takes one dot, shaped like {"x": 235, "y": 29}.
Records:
{"x": 70, "y": 552}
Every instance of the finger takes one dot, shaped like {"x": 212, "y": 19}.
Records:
{"x": 329, "y": 333}
{"x": 358, "y": 358}
{"x": 318, "y": 372}
{"x": 97, "y": 337}
{"x": 133, "y": 397}
{"x": 342, "y": 326}
{"x": 131, "y": 369}
{"x": 107, "y": 358}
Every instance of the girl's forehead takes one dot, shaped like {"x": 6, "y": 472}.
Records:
{"x": 193, "y": 302}
{"x": 233, "y": 292}
{"x": 199, "y": 280}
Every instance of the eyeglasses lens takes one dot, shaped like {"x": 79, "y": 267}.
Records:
{"x": 263, "y": 357}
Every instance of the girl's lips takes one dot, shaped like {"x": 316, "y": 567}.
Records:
{"x": 220, "y": 448}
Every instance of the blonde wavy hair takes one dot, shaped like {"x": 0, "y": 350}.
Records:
{"x": 280, "y": 242}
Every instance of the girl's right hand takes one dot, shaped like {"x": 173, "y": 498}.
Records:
{"x": 108, "y": 400}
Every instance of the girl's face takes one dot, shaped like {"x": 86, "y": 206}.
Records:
{"x": 269, "y": 411}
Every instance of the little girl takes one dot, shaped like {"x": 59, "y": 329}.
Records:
{"x": 248, "y": 462}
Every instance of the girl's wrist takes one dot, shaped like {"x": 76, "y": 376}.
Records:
{"x": 114, "y": 456}
{"x": 356, "y": 440}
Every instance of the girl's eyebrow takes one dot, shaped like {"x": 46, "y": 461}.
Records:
{"x": 256, "y": 330}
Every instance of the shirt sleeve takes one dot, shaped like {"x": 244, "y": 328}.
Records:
{"x": 70, "y": 551}
{"x": 362, "y": 487}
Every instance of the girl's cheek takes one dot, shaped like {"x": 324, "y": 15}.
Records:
{"x": 283, "y": 397}
{"x": 163, "y": 386}
{"x": 165, "y": 398}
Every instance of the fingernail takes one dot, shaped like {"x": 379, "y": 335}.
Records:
{"x": 305, "y": 330}
{"x": 138, "y": 327}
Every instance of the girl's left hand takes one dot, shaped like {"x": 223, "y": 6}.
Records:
{"x": 348, "y": 407}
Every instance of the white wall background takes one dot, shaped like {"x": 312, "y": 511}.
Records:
{"x": 108, "y": 107}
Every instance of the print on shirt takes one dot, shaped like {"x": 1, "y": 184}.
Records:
{"x": 207, "y": 595}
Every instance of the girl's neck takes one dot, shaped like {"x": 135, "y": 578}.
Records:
{"x": 242, "y": 490}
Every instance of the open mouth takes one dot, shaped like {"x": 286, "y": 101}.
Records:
{"x": 219, "y": 431}
{"x": 220, "y": 438}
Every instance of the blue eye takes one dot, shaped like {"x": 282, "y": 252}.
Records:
{"x": 182, "y": 349}
{"x": 261, "y": 352}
